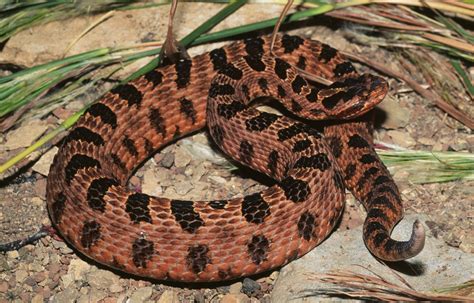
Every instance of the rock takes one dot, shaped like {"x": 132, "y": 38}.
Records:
{"x": 169, "y": 296}
{"x": 235, "y": 288}
{"x": 102, "y": 279}
{"x": 250, "y": 287}
{"x": 70, "y": 294}
{"x": 13, "y": 254}
{"x": 21, "y": 275}
{"x": 94, "y": 295}
{"x": 77, "y": 268}
{"x": 182, "y": 157}
{"x": 402, "y": 139}
{"x": 24, "y": 136}
{"x": 167, "y": 160}
{"x": 43, "y": 164}
{"x": 141, "y": 295}
{"x": 396, "y": 116}
{"x": 67, "y": 280}
{"x": 38, "y": 298}
{"x": 440, "y": 265}
{"x": 37, "y": 201}
{"x": 3, "y": 287}
{"x": 151, "y": 183}
{"x": 235, "y": 298}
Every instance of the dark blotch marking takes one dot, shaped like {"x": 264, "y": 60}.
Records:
{"x": 327, "y": 53}
{"x": 255, "y": 209}
{"x": 57, "y": 208}
{"x": 368, "y": 158}
{"x": 187, "y": 108}
{"x": 313, "y": 95}
{"x": 301, "y": 64}
{"x": 229, "y": 110}
{"x": 273, "y": 161}
{"x": 255, "y": 63}
{"x": 186, "y": 216}
{"x": 129, "y": 93}
{"x": 154, "y": 77}
{"x": 335, "y": 144}
{"x": 258, "y": 248}
{"x": 291, "y": 43}
{"x": 254, "y": 46}
{"x": 380, "y": 237}
{"x": 149, "y": 147}
{"x": 295, "y": 129}
{"x": 231, "y": 71}
{"x": 357, "y": 141}
{"x": 197, "y": 258}
{"x": 263, "y": 84}
{"x": 217, "y": 134}
{"x": 142, "y": 251}
{"x": 183, "y": 72}
{"x": 117, "y": 161}
{"x": 218, "y": 58}
{"x": 220, "y": 90}
{"x": 367, "y": 175}
{"x": 295, "y": 106}
{"x": 298, "y": 83}
{"x": 319, "y": 161}
{"x": 90, "y": 234}
{"x": 331, "y": 101}
{"x": 295, "y": 190}
{"x": 78, "y": 162}
{"x": 281, "y": 67}
{"x": 137, "y": 207}
{"x": 281, "y": 91}
{"x": 343, "y": 68}
{"x": 177, "y": 132}
{"x": 374, "y": 226}
{"x": 306, "y": 225}
{"x": 383, "y": 202}
{"x": 246, "y": 151}
{"x": 157, "y": 121}
{"x": 350, "y": 171}
{"x": 84, "y": 134}
{"x": 96, "y": 192}
{"x": 260, "y": 122}
{"x": 130, "y": 146}
{"x": 381, "y": 180}
{"x": 218, "y": 204}
{"x": 104, "y": 112}
{"x": 301, "y": 145}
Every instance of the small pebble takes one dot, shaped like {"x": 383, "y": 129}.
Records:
{"x": 250, "y": 287}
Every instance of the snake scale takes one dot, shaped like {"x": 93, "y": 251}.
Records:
{"x": 220, "y": 240}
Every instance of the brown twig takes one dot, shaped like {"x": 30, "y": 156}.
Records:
{"x": 278, "y": 23}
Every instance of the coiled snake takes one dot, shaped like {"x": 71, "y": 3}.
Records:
{"x": 225, "y": 239}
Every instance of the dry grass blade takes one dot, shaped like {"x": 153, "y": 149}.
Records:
{"x": 374, "y": 287}
{"x": 451, "y": 42}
